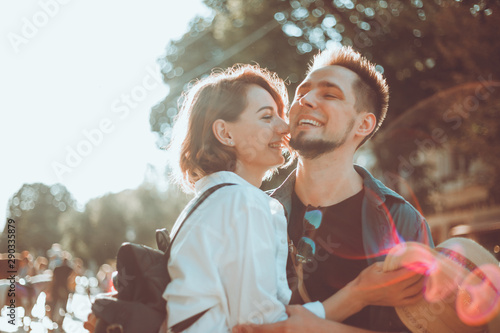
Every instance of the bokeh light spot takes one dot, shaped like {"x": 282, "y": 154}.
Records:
{"x": 292, "y": 30}
{"x": 329, "y": 21}
{"x": 379, "y": 69}
{"x": 280, "y": 17}
{"x": 430, "y": 63}
{"x": 369, "y": 12}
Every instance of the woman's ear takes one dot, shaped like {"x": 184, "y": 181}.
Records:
{"x": 222, "y": 133}
{"x": 367, "y": 125}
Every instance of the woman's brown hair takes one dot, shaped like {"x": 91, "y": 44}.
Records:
{"x": 222, "y": 95}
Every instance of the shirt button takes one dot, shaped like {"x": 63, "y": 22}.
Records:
{"x": 283, "y": 241}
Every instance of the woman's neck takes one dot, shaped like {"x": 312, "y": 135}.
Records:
{"x": 252, "y": 176}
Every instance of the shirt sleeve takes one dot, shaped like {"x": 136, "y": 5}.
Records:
{"x": 317, "y": 308}
{"x": 424, "y": 234}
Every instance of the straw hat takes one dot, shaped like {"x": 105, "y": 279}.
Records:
{"x": 462, "y": 288}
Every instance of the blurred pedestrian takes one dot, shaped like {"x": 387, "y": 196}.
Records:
{"x": 60, "y": 288}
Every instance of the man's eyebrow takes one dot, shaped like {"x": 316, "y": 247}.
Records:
{"x": 321, "y": 84}
{"x": 328, "y": 84}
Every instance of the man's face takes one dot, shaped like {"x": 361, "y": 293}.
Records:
{"x": 323, "y": 114}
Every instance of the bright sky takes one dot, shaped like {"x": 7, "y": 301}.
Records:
{"x": 77, "y": 82}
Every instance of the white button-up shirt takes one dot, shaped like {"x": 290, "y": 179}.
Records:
{"x": 229, "y": 257}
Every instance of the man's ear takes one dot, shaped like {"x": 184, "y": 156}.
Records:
{"x": 367, "y": 125}
{"x": 222, "y": 132}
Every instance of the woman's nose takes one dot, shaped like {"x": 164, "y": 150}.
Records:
{"x": 281, "y": 126}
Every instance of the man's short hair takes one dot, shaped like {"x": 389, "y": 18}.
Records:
{"x": 372, "y": 92}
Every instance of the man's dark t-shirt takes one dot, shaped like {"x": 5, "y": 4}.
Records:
{"x": 339, "y": 250}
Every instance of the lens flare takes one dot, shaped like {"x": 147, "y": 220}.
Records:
{"x": 478, "y": 300}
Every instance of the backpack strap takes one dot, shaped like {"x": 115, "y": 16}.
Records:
{"x": 183, "y": 325}
{"x": 195, "y": 205}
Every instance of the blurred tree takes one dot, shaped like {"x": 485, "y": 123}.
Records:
{"x": 45, "y": 215}
{"x": 75, "y": 234}
{"x": 127, "y": 216}
{"x": 36, "y": 208}
{"x": 106, "y": 219}
{"x": 159, "y": 210}
{"x": 421, "y": 47}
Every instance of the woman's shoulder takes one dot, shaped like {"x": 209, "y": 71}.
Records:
{"x": 237, "y": 194}
{"x": 250, "y": 197}
{"x": 241, "y": 193}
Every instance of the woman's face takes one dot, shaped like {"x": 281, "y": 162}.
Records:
{"x": 258, "y": 133}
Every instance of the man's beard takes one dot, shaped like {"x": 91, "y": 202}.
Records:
{"x": 311, "y": 149}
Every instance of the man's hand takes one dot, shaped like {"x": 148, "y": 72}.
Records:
{"x": 300, "y": 320}
{"x": 373, "y": 286}
{"x": 395, "y": 288}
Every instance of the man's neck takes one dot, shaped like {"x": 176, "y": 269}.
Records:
{"x": 327, "y": 180}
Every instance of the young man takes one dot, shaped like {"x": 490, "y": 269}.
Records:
{"x": 342, "y": 221}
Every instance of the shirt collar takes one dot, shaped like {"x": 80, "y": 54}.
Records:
{"x": 284, "y": 191}
{"x": 217, "y": 178}
{"x": 376, "y": 186}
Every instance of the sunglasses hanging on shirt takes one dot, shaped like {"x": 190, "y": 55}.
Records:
{"x": 306, "y": 247}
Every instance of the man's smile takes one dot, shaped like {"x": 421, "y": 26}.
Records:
{"x": 308, "y": 122}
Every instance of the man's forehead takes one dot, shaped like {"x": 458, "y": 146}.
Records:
{"x": 333, "y": 75}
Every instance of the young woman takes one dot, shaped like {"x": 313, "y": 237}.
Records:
{"x": 230, "y": 256}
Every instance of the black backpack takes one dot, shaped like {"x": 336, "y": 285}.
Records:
{"x": 141, "y": 279}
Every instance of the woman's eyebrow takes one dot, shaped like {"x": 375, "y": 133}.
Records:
{"x": 265, "y": 108}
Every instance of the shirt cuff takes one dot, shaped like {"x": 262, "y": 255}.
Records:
{"x": 316, "y": 308}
